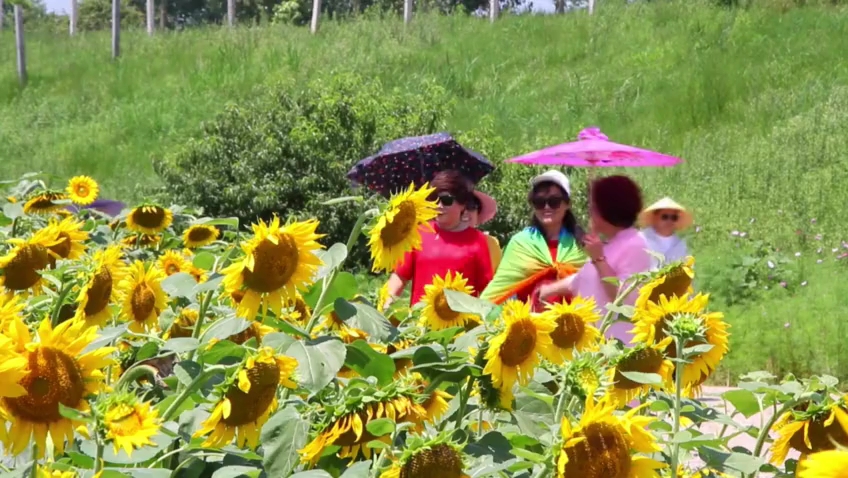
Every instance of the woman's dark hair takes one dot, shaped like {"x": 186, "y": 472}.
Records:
{"x": 569, "y": 222}
{"x": 617, "y": 199}
{"x": 452, "y": 182}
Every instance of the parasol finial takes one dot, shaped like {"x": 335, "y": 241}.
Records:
{"x": 592, "y": 132}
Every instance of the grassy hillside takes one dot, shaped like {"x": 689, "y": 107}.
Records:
{"x": 755, "y": 101}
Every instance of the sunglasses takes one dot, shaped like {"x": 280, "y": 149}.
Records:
{"x": 670, "y": 217}
{"x": 553, "y": 202}
{"x": 446, "y": 200}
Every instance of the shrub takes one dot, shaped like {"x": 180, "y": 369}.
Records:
{"x": 289, "y": 150}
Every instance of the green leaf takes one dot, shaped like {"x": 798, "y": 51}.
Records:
{"x": 278, "y": 341}
{"x": 311, "y": 474}
{"x": 643, "y": 378}
{"x": 380, "y": 427}
{"x": 345, "y": 286}
{"x": 744, "y": 463}
{"x": 179, "y": 285}
{"x": 74, "y": 414}
{"x": 744, "y": 401}
{"x": 146, "y": 351}
{"x": 282, "y": 436}
{"x": 204, "y": 260}
{"x": 233, "y": 471}
{"x": 528, "y": 455}
{"x": 13, "y": 210}
{"x": 342, "y": 199}
{"x": 697, "y": 349}
{"x": 147, "y": 473}
{"x": 378, "y": 445}
{"x": 359, "y": 469}
{"x": 624, "y": 310}
{"x": 462, "y": 302}
{"x": 367, "y": 319}
{"x": 318, "y": 361}
{"x": 106, "y": 336}
{"x": 492, "y": 444}
{"x": 221, "y": 350}
{"x": 444, "y": 336}
{"x": 659, "y": 406}
{"x": 426, "y": 355}
{"x": 224, "y": 329}
{"x": 367, "y": 362}
{"x": 213, "y": 283}
{"x": 332, "y": 258}
{"x": 231, "y": 222}
{"x": 186, "y": 371}
{"x": 470, "y": 339}
{"x": 181, "y": 344}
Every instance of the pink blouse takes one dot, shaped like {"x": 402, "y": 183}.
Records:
{"x": 626, "y": 254}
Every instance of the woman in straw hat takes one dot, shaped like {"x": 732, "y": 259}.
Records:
{"x": 661, "y": 222}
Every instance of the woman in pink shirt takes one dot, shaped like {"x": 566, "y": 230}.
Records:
{"x": 614, "y": 246}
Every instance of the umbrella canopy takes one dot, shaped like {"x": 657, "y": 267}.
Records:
{"x": 594, "y": 149}
{"x": 106, "y": 206}
{"x": 415, "y": 160}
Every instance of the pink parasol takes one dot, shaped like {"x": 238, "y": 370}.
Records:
{"x": 594, "y": 149}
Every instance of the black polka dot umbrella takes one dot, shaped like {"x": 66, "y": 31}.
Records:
{"x": 415, "y": 160}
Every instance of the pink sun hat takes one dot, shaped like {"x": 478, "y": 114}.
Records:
{"x": 488, "y": 207}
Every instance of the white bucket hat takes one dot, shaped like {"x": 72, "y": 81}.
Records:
{"x": 647, "y": 216}
{"x": 553, "y": 176}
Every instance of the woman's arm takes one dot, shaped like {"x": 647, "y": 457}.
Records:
{"x": 396, "y": 285}
{"x": 561, "y": 287}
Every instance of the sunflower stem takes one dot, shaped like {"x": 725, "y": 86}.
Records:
{"x": 134, "y": 373}
{"x": 33, "y": 472}
{"x": 764, "y": 431}
{"x": 463, "y": 402}
{"x": 316, "y": 312}
{"x": 14, "y": 227}
{"x": 192, "y": 387}
{"x": 560, "y": 408}
{"x": 57, "y": 308}
{"x": 201, "y": 314}
{"x": 678, "y": 399}
{"x": 622, "y": 296}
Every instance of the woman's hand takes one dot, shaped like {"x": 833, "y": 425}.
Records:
{"x": 594, "y": 247}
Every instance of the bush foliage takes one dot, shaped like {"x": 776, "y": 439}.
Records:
{"x": 288, "y": 150}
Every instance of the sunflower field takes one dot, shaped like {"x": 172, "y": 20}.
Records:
{"x": 161, "y": 343}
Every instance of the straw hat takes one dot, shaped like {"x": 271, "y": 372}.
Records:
{"x": 646, "y": 217}
{"x": 488, "y": 207}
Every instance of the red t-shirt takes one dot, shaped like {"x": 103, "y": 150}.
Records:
{"x": 465, "y": 252}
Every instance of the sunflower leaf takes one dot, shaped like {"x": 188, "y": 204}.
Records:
{"x": 179, "y": 285}
{"x": 368, "y": 319}
{"x": 312, "y": 474}
{"x": 643, "y": 378}
{"x": 282, "y": 436}
{"x": 13, "y": 210}
{"x": 464, "y": 303}
{"x": 744, "y": 401}
{"x": 332, "y": 259}
{"x": 234, "y": 471}
{"x": 231, "y": 222}
{"x": 204, "y": 260}
{"x": 74, "y": 414}
{"x": 223, "y": 329}
{"x": 360, "y": 469}
{"x": 318, "y": 361}
{"x": 367, "y": 362}
{"x": 380, "y": 426}
{"x": 181, "y": 344}
{"x": 528, "y": 455}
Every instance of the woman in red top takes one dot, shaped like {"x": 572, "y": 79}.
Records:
{"x": 452, "y": 246}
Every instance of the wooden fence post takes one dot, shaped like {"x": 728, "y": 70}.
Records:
{"x": 231, "y": 13}
{"x": 316, "y": 15}
{"x": 116, "y": 28}
{"x": 151, "y": 17}
{"x": 494, "y": 10}
{"x": 73, "y": 18}
{"x": 19, "y": 44}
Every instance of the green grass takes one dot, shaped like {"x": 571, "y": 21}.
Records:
{"x": 755, "y": 101}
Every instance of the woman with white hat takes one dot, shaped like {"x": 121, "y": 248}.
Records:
{"x": 546, "y": 251}
{"x": 661, "y": 222}
{"x": 480, "y": 209}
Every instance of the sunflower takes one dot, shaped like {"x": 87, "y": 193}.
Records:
{"x": 129, "y": 422}
{"x": 299, "y": 311}
{"x": 575, "y": 330}
{"x": 824, "y": 464}
{"x": 435, "y": 457}
{"x": 247, "y": 403}
{"x": 255, "y": 330}
{"x": 13, "y": 369}
{"x": 101, "y": 287}
{"x": 278, "y": 261}
{"x": 349, "y": 430}
{"x": 58, "y": 372}
{"x": 200, "y": 235}
{"x": 602, "y": 444}
{"x": 144, "y": 298}
{"x": 149, "y": 219}
{"x": 514, "y": 353}
{"x": 437, "y": 314}
{"x": 173, "y": 262}
{"x": 397, "y": 229}
{"x": 652, "y": 321}
{"x": 47, "y": 472}
{"x": 585, "y": 375}
{"x": 435, "y": 403}
{"x": 82, "y": 190}
{"x": 818, "y": 428}
{"x": 643, "y": 359}
{"x": 334, "y": 323}
{"x": 198, "y": 274}
{"x": 141, "y": 240}
{"x": 44, "y": 202}
{"x": 22, "y": 265}
{"x": 70, "y": 239}
{"x": 674, "y": 280}
{"x": 183, "y": 325}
